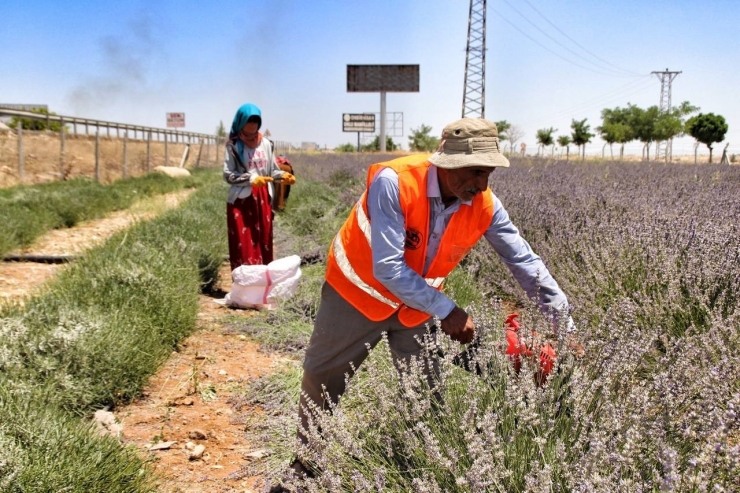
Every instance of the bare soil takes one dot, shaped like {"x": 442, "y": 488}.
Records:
{"x": 43, "y": 159}
{"x": 186, "y": 401}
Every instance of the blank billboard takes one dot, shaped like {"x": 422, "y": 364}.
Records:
{"x": 382, "y": 78}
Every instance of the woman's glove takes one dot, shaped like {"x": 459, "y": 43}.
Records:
{"x": 288, "y": 179}
{"x": 261, "y": 181}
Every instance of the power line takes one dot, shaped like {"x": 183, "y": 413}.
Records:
{"x": 610, "y": 96}
{"x": 553, "y": 52}
{"x": 624, "y": 72}
{"x": 576, "y": 42}
{"x": 602, "y": 99}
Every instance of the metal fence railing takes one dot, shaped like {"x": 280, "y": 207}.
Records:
{"x": 70, "y": 126}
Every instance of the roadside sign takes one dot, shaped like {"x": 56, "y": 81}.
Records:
{"x": 358, "y": 122}
{"x": 176, "y": 120}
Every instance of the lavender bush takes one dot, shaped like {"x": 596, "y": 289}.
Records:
{"x": 649, "y": 255}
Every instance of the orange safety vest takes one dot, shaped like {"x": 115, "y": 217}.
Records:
{"x": 349, "y": 267}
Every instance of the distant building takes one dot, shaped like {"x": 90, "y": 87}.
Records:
{"x": 309, "y": 146}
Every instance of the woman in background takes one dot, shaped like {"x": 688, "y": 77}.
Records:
{"x": 250, "y": 169}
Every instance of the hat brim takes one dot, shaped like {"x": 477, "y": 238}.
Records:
{"x": 454, "y": 160}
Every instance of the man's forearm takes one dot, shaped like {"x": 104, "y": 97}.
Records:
{"x": 413, "y": 291}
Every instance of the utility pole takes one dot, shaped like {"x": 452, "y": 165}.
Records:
{"x": 474, "y": 91}
{"x": 666, "y": 78}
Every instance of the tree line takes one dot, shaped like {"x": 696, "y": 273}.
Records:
{"x": 619, "y": 126}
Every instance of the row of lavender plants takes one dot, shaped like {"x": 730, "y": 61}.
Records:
{"x": 90, "y": 339}
{"x": 649, "y": 255}
{"x": 29, "y": 211}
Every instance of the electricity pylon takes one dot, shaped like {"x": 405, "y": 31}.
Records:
{"x": 474, "y": 92}
{"x": 666, "y": 78}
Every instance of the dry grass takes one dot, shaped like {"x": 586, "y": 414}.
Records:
{"x": 43, "y": 160}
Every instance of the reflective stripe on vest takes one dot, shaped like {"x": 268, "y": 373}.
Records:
{"x": 349, "y": 273}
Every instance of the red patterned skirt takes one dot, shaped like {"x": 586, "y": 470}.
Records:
{"x": 249, "y": 222}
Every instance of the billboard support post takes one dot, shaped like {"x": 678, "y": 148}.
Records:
{"x": 382, "y": 121}
{"x": 382, "y": 79}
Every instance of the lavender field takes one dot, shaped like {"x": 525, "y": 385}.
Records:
{"x": 649, "y": 256}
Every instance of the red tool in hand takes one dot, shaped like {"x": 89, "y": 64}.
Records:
{"x": 517, "y": 347}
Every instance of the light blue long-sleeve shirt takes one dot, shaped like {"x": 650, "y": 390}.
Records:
{"x": 388, "y": 235}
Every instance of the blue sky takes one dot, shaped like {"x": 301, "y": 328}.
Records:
{"x": 547, "y": 62}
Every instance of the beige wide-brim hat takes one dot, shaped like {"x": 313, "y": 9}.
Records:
{"x": 469, "y": 142}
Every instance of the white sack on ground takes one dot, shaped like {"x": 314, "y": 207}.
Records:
{"x": 172, "y": 171}
{"x": 262, "y": 286}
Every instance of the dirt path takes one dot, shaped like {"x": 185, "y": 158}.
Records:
{"x": 187, "y": 404}
{"x": 20, "y": 278}
{"x": 186, "y": 401}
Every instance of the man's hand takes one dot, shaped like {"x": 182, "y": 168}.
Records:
{"x": 574, "y": 345}
{"x": 459, "y": 325}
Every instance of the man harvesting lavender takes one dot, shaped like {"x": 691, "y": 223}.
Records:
{"x": 417, "y": 219}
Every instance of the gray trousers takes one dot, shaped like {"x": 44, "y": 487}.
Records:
{"x": 340, "y": 338}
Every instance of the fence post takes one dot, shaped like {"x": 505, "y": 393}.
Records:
{"x": 97, "y": 155}
{"x": 61, "y": 150}
{"x": 20, "y": 151}
{"x": 125, "y": 138}
{"x": 185, "y": 155}
{"x": 166, "y": 151}
{"x": 200, "y": 151}
{"x": 149, "y": 151}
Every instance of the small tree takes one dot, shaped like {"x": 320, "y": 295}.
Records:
{"x": 671, "y": 124}
{"x": 544, "y": 138}
{"x": 221, "y": 131}
{"x": 616, "y": 128}
{"x": 581, "y": 135}
{"x": 375, "y": 145}
{"x": 503, "y": 130}
{"x": 615, "y": 132}
{"x": 643, "y": 123}
{"x": 513, "y": 134}
{"x": 420, "y": 140}
{"x": 345, "y": 148}
{"x": 708, "y": 129}
{"x": 564, "y": 141}
{"x": 36, "y": 124}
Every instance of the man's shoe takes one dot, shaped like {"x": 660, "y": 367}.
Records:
{"x": 298, "y": 470}
{"x": 301, "y": 470}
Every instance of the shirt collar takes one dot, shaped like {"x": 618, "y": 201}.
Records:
{"x": 433, "y": 186}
